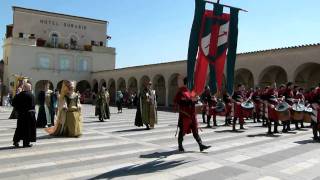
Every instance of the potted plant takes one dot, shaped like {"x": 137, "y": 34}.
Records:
{"x": 87, "y": 47}
{"x": 41, "y": 42}
{"x": 61, "y": 46}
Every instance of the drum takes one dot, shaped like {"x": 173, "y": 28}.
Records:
{"x": 199, "y": 108}
{"x": 283, "y": 111}
{"x": 298, "y": 111}
{"x": 247, "y": 108}
{"x": 307, "y": 115}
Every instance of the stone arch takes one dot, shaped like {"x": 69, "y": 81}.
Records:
{"x": 245, "y": 77}
{"x": 271, "y": 75}
{"x": 40, "y": 85}
{"x": 159, "y": 85}
{"x": 83, "y": 86}
{"x": 112, "y": 90}
{"x": 307, "y": 75}
{"x": 102, "y": 83}
{"x": 173, "y": 88}
{"x": 133, "y": 85}
{"x": 95, "y": 86}
{"x": 121, "y": 84}
{"x": 145, "y": 79}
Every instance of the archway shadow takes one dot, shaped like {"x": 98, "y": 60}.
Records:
{"x": 150, "y": 167}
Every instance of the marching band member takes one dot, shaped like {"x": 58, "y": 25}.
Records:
{"x": 315, "y": 104}
{"x": 288, "y": 95}
{"x": 204, "y": 99}
{"x": 272, "y": 114}
{"x": 187, "y": 122}
{"x": 211, "y": 112}
{"x": 257, "y": 104}
{"x": 237, "y": 111}
{"x": 299, "y": 96}
{"x": 228, "y": 102}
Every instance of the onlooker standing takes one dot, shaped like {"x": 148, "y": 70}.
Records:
{"x": 24, "y": 103}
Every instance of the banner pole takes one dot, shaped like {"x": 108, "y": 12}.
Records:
{"x": 218, "y": 2}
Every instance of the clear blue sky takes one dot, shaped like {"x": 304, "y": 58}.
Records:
{"x": 155, "y": 31}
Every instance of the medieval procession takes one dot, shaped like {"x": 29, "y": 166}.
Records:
{"x": 211, "y": 95}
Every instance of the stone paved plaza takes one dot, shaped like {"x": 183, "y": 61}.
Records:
{"x": 116, "y": 149}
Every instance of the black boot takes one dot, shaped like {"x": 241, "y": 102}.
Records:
{"x": 269, "y": 127}
{"x": 288, "y": 125}
{"x": 203, "y": 117}
{"x": 297, "y": 125}
{"x": 202, "y": 147}
{"x": 147, "y": 126}
{"x": 16, "y": 144}
{"x": 301, "y": 122}
{"x": 180, "y": 139}
{"x": 234, "y": 124}
{"x": 208, "y": 121}
{"x": 241, "y": 126}
{"x": 275, "y": 130}
{"x": 215, "y": 122}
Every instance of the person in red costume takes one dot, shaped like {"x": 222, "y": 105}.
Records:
{"x": 187, "y": 122}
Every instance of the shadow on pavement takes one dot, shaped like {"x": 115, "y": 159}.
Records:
{"x": 308, "y": 141}
{"x": 7, "y": 148}
{"x": 131, "y": 130}
{"x": 150, "y": 167}
{"x": 264, "y": 135}
{"x": 229, "y": 131}
{"x": 160, "y": 154}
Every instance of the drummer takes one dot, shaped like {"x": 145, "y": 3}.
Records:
{"x": 272, "y": 114}
{"x": 288, "y": 94}
{"x": 257, "y": 104}
{"x": 228, "y": 102}
{"x": 237, "y": 110}
{"x": 211, "y": 111}
{"x": 204, "y": 98}
{"x": 299, "y": 95}
{"x": 315, "y": 103}
{"x": 264, "y": 99}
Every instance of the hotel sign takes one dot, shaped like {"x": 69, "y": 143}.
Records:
{"x": 64, "y": 24}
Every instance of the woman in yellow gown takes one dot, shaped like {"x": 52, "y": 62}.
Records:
{"x": 69, "y": 120}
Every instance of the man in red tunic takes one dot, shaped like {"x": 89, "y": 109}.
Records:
{"x": 237, "y": 110}
{"x": 257, "y": 104}
{"x": 187, "y": 121}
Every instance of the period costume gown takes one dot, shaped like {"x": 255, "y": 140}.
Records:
{"x": 46, "y": 111}
{"x": 69, "y": 120}
{"x": 26, "y": 124}
{"x": 148, "y": 107}
{"x": 101, "y": 106}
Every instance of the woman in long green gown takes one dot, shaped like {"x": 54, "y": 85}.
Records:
{"x": 69, "y": 120}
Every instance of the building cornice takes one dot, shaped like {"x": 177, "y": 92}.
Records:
{"x": 22, "y": 9}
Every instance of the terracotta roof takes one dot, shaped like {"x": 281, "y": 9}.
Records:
{"x": 47, "y": 12}
{"x": 277, "y": 49}
{"x": 181, "y": 61}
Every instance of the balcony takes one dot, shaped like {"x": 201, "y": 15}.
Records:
{"x": 45, "y": 44}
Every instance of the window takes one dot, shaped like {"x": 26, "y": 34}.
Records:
{"x": 93, "y": 43}
{"x": 54, "y": 40}
{"x": 44, "y": 62}
{"x": 83, "y": 64}
{"x": 21, "y": 35}
{"x": 101, "y": 43}
{"x": 64, "y": 63}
